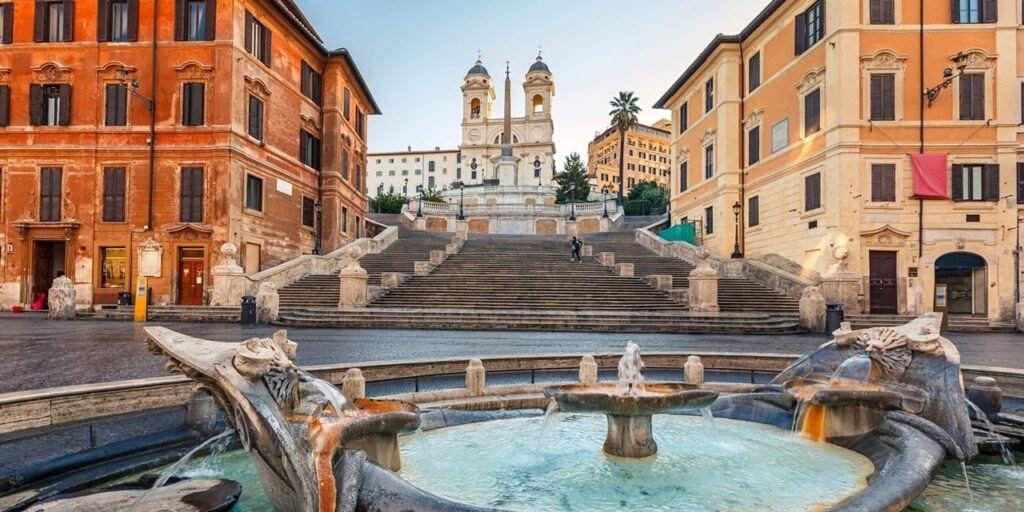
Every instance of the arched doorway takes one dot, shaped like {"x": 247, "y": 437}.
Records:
{"x": 964, "y": 275}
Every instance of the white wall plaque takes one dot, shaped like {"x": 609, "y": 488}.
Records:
{"x": 780, "y": 135}
{"x": 151, "y": 255}
{"x": 284, "y": 187}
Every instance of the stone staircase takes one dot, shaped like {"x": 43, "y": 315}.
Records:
{"x": 169, "y": 313}
{"x": 957, "y": 323}
{"x": 734, "y": 295}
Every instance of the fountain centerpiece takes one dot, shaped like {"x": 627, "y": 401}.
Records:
{"x": 629, "y": 405}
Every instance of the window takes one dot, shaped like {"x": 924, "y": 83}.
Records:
{"x": 975, "y": 182}
{"x": 54, "y": 21}
{"x": 192, "y": 194}
{"x": 430, "y": 166}
{"x": 883, "y": 12}
{"x": 117, "y": 21}
{"x": 113, "y": 194}
{"x": 308, "y": 212}
{"x": 975, "y": 11}
{"x": 472, "y": 175}
{"x": 6, "y": 23}
{"x": 709, "y": 95}
{"x": 972, "y": 97}
{"x": 430, "y": 182}
{"x": 312, "y": 84}
{"x": 809, "y": 27}
{"x": 684, "y": 176}
{"x": 754, "y": 145}
{"x": 883, "y": 183}
{"x": 405, "y": 172}
{"x": 49, "y": 105}
{"x": 50, "y": 194}
{"x": 753, "y": 211}
{"x": 116, "y": 105}
{"x": 812, "y": 192}
{"x": 257, "y": 39}
{"x": 113, "y": 267}
{"x": 883, "y": 97}
{"x": 360, "y": 123}
{"x": 253, "y": 193}
{"x": 5, "y": 105}
{"x": 344, "y": 219}
{"x": 1020, "y": 183}
{"x": 193, "y": 103}
{"x": 359, "y": 176}
{"x": 709, "y": 161}
{"x": 309, "y": 149}
{"x": 391, "y": 173}
{"x": 347, "y": 104}
{"x": 195, "y": 20}
{"x": 709, "y": 220}
{"x": 754, "y": 72}
{"x": 812, "y": 112}
{"x": 255, "y": 117}
{"x": 344, "y": 164}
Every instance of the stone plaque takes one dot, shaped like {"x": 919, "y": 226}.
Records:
{"x": 780, "y": 135}
{"x": 151, "y": 255}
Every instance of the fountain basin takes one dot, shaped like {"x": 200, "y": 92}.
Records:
{"x": 376, "y": 427}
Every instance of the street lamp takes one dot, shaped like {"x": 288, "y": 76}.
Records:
{"x": 604, "y": 192}
{"x": 419, "y": 204}
{"x": 948, "y": 75}
{"x": 572, "y": 202}
{"x": 462, "y": 198}
{"x": 736, "y": 254}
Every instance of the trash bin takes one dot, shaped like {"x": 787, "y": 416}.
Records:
{"x": 248, "y": 310}
{"x": 833, "y": 317}
{"x": 124, "y": 299}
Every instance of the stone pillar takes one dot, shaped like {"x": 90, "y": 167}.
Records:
{"x": 624, "y": 269}
{"x": 1020, "y": 316}
{"x": 201, "y": 413}
{"x": 571, "y": 229}
{"x": 812, "y": 310}
{"x": 841, "y": 285}
{"x": 268, "y": 303}
{"x": 229, "y": 281}
{"x": 703, "y": 284}
{"x": 693, "y": 371}
{"x": 421, "y": 268}
{"x": 354, "y": 287}
{"x": 451, "y": 248}
{"x": 436, "y": 257}
{"x": 61, "y": 299}
{"x": 588, "y": 371}
{"x": 587, "y": 251}
{"x": 476, "y": 377}
{"x": 606, "y": 258}
{"x": 289, "y": 347}
{"x": 389, "y": 280}
{"x": 662, "y": 282}
{"x": 987, "y": 395}
{"x": 353, "y": 385}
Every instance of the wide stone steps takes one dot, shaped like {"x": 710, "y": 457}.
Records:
{"x": 957, "y": 323}
{"x": 171, "y": 313}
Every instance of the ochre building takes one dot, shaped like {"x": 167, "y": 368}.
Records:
{"x": 647, "y": 157}
{"x": 258, "y": 138}
{"x": 806, "y": 121}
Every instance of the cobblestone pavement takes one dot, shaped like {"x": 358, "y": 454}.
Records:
{"x": 36, "y": 353}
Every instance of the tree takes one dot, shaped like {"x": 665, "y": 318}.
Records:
{"x": 387, "y": 202}
{"x": 431, "y": 195}
{"x": 623, "y": 114}
{"x": 646, "y": 197}
{"x": 574, "y": 173}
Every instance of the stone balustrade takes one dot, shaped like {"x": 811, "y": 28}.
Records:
{"x": 606, "y": 259}
{"x": 421, "y": 268}
{"x": 624, "y": 269}
{"x": 531, "y": 210}
{"x": 660, "y": 282}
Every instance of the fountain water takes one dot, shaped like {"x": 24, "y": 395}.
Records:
{"x": 1004, "y": 451}
{"x": 173, "y": 468}
{"x": 631, "y": 378}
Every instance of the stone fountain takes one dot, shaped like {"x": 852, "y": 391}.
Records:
{"x": 629, "y": 405}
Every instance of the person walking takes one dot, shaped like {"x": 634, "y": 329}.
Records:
{"x": 577, "y": 246}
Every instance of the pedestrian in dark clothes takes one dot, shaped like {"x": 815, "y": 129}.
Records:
{"x": 577, "y": 246}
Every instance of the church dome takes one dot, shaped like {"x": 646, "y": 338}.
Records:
{"x": 539, "y": 66}
{"x": 478, "y": 69}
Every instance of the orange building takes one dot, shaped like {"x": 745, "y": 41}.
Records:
{"x": 805, "y": 123}
{"x": 257, "y": 137}
{"x": 647, "y": 157}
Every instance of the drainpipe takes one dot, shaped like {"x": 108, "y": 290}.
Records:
{"x": 318, "y": 244}
{"x": 920, "y": 202}
{"x": 741, "y": 221}
{"x": 152, "y": 119}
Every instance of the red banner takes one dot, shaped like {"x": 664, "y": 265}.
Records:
{"x": 930, "y": 176}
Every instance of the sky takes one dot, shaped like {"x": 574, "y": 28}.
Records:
{"x": 415, "y": 53}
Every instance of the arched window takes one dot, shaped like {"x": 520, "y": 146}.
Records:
{"x": 538, "y": 104}
{"x": 474, "y": 108}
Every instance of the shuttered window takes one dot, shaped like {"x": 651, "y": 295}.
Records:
{"x": 812, "y": 192}
{"x": 709, "y": 161}
{"x": 308, "y": 212}
{"x": 974, "y": 11}
{"x": 809, "y": 27}
{"x": 253, "y": 193}
{"x": 50, "y": 194}
{"x": 753, "y": 211}
{"x": 883, "y": 12}
{"x": 54, "y": 21}
{"x": 883, "y": 97}
{"x": 754, "y": 145}
{"x": 344, "y": 219}
{"x": 49, "y": 105}
{"x": 754, "y": 72}
{"x": 117, "y": 21}
{"x": 312, "y": 84}
{"x": 359, "y": 177}
{"x": 1020, "y": 183}
{"x": 883, "y": 183}
{"x": 975, "y": 182}
{"x": 360, "y": 123}
{"x": 193, "y": 103}
{"x": 709, "y": 220}
{"x": 684, "y": 176}
{"x": 192, "y": 194}
{"x": 7, "y": 23}
{"x": 709, "y": 95}
{"x": 5, "y": 105}
{"x": 113, "y": 194}
{"x": 344, "y": 164}
{"x": 195, "y": 20}
{"x": 972, "y": 97}
{"x": 684, "y": 114}
{"x": 309, "y": 149}
{"x": 347, "y": 104}
{"x": 812, "y": 112}
{"x": 116, "y": 105}
{"x": 257, "y": 39}
{"x": 255, "y": 117}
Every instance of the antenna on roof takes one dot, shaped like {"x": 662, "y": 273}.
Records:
{"x": 540, "y": 51}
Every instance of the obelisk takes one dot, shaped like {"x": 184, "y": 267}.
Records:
{"x": 507, "y": 166}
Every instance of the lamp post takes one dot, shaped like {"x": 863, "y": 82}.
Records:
{"x": 419, "y": 204}
{"x": 572, "y": 202}
{"x": 949, "y": 74}
{"x": 604, "y": 192}
{"x": 462, "y": 197}
{"x": 736, "y": 254}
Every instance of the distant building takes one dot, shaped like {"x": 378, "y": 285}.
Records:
{"x": 408, "y": 172}
{"x": 646, "y": 155}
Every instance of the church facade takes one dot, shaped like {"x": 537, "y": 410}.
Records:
{"x": 531, "y": 138}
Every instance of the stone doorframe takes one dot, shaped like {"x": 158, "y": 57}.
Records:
{"x": 887, "y": 238}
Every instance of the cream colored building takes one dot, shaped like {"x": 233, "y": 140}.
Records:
{"x": 806, "y": 120}
{"x": 646, "y": 156}
{"x": 407, "y": 172}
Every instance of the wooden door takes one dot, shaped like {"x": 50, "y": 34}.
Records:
{"x": 883, "y": 282}
{"x": 43, "y": 268}
{"x": 191, "y": 276}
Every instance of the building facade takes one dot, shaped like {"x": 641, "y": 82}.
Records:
{"x": 531, "y": 134}
{"x": 646, "y": 156}
{"x": 127, "y": 130}
{"x": 408, "y": 172}
{"x": 805, "y": 123}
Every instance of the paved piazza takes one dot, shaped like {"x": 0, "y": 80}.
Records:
{"x": 42, "y": 354}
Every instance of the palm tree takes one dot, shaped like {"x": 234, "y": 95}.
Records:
{"x": 623, "y": 114}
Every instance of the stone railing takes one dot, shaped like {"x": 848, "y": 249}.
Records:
{"x": 530, "y": 210}
{"x": 230, "y": 283}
